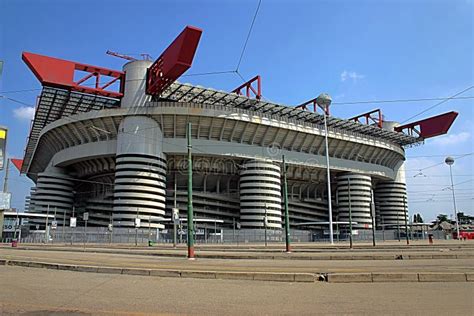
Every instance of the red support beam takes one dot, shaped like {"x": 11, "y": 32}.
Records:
{"x": 174, "y": 61}
{"x": 17, "y": 163}
{"x": 370, "y": 118}
{"x": 312, "y": 103}
{"x": 430, "y": 127}
{"x": 249, "y": 88}
{"x": 60, "y": 73}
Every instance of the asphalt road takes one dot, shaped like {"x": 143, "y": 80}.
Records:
{"x": 26, "y": 291}
{"x": 248, "y": 265}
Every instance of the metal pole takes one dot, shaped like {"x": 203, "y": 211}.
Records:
{"x": 287, "y": 214}
{"x": 64, "y": 225}
{"x": 5, "y": 180}
{"x": 46, "y": 230}
{"x": 383, "y": 229}
{"x": 406, "y": 223}
{"x": 265, "y": 224}
{"x": 136, "y": 231}
{"x": 233, "y": 229}
{"x": 190, "y": 197}
{"x": 73, "y": 228}
{"x": 56, "y": 222}
{"x": 331, "y": 237}
{"x": 350, "y": 211}
{"x": 215, "y": 231}
{"x": 372, "y": 214}
{"x": 174, "y": 220}
{"x": 149, "y": 228}
{"x": 85, "y": 234}
{"x": 16, "y": 226}
{"x": 454, "y": 202}
{"x": 398, "y": 225}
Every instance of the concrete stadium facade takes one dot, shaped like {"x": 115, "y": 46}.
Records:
{"x": 119, "y": 160}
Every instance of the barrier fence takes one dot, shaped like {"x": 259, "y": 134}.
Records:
{"x": 103, "y": 235}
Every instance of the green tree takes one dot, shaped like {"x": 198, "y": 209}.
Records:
{"x": 417, "y": 218}
{"x": 442, "y": 218}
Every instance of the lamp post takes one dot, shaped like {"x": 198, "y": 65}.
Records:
{"x": 324, "y": 101}
{"x": 450, "y": 161}
{"x": 350, "y": 211}
{"x": 190, "y": 197}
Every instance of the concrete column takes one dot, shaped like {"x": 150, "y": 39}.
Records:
{"x": 140, "y": 173}
{"x": 260, "y": 188}
{"x": 391, "y": 199}
{"x": 360, "y": 196}
{"x": 135, "y": 84}
{"x": 53, "y": 189}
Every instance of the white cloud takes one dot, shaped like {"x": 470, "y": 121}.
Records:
{"x": 24, "y": 113}
{"x": 345, "y": 75}
{"x": 452, "y": 139}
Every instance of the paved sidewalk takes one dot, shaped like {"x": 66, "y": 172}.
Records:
{"x": 246, "y": 265}
{"x": 46, "y": 292}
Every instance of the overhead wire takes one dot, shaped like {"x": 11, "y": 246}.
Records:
{"x": 248, "y": 36}
{"x": 437, "y": 104}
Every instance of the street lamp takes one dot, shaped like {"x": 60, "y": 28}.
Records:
{"x": 450, "y": 161}
{"x": 324, "y": 101}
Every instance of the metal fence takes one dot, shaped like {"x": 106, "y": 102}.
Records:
{"x": 68, "y": 235}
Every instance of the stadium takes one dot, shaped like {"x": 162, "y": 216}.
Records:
{"x": 118, "y": 151}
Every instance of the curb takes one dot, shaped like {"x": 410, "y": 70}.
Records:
{"x": 368, "y": 277}
{"x": 270, "y": 256}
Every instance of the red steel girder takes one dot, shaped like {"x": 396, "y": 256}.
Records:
{"x": 312, "y": 103}
{"x": 17, "y": 163}
{"x": 174, "y": 61}
{"x": 370, "y": 118}
{"x": 248, "y": 87}
{"x": 430, "y": 127}
{"x": 60, "y": 73}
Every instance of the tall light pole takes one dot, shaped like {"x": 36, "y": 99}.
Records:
{"x": 285, "y": 201}
{"x": 350, "y": 211}
{"x": 324, "y": 101}
{"x": 190, "y": 197}
{"x": 450, "y": 161}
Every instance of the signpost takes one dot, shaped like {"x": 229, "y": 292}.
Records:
{"x": 137, "y": 225}
{"x": 175, "y": 223}
{"x": 85, "y": 217}
{"x": 3, "y": 145}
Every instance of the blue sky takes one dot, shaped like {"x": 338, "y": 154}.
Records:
{"x": 369, "y": 50}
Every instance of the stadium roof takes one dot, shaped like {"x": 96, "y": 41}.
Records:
{"x": 188, "y": 93}
{"x": 55, "y": 103}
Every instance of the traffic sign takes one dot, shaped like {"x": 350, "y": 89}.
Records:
{"x": 176, "y": 215}
{"x": 85, "y": 216}
{"x": 137, "y": 223}
{"x": 73, "y": 222}
{"x": 54, "y": 224}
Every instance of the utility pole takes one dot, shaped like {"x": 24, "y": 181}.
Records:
{"x": 287, "y": 215}
{"x": 350, "y": 211}
{"x": 190, "y": 197}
